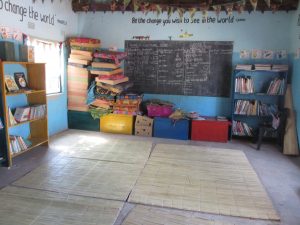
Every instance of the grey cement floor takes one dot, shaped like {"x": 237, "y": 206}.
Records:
{"x": 278, "y": 173}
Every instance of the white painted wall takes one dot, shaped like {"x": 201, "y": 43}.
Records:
{"x": 61, "y": 10}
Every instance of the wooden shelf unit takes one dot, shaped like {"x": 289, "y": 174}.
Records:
{"x": 36, "y": 95}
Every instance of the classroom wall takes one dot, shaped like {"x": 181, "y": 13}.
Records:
{"x": 51, "y": 21}
{"x": 248, "y": 31}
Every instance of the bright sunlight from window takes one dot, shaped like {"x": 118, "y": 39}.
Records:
{"x": 51, "y": 54}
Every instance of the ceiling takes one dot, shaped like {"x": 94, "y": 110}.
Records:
{"x": 185, "y": 5}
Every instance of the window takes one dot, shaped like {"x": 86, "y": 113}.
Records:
{"x": 50, "y": 53}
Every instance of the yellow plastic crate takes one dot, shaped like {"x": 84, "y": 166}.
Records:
{"x": 117, "y": 124}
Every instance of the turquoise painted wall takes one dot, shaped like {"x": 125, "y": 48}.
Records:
{"x": 266, "y": 31}
{"x": 295, "y": 44}
{"x": 62, "y": 10}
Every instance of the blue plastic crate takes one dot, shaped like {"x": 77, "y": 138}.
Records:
{"x": 167, "y": 128}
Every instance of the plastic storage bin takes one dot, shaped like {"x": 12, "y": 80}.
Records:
{"x": 82, "y": 121}
{"x": 117, "y": 124}
{"x": 167, "y": 128}
{"x": 210, "y": 130}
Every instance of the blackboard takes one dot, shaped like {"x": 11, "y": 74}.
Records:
{"x": 195, "y": 68}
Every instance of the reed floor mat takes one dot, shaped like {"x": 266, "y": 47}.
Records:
{"x": 218, "y": 181}
{"x": 23, "y": 206}
{"x": 126, "y": 151}
{"x": 84, "y": 177}
{"x": 146, "y": 215}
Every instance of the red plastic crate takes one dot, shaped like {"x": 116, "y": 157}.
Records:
{"x": 210, "y": 130}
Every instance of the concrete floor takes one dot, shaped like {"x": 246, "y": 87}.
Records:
{"x": 278, "y": 173}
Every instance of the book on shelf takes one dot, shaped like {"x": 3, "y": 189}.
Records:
{"x": 276, "y": 87}
{"x": 37, "y": 112}
{"x": 246, "y": 107}
{"x": 244, "y": 85}
{"x": 280, "y": 67}
{"x": 18, "y": 144}
{"x": 243, "y": 67}
{"x": 241, "y": 129}
{"x": 11, "y": 118}
{"x": 10, "y": 83}
{"x": 22, "y": 114}
{"x": 1, "y": 124}
{"x": 113, "y": 82}
{"x": 98, "y": 71}
{"x": 21, "y": 81}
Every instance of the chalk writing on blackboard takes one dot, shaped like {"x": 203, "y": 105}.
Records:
{"x": 180, "y": 67}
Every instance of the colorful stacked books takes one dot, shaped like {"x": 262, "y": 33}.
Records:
{"x": 81, "y": 56}
{"x": 244, "y": 85}
{"x": 107, "y": 65}
{"x": 18, "y": 144}
{"x": 276, "y": 87}
{"x": 23, "y": 114}
{"x": 128, "y": 104}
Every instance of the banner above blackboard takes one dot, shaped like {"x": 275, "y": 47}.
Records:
{"x": 195, "y": 68}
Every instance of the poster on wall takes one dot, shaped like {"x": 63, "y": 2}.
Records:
{"x": 268, "y": 54}
{"x": 244, "y": 54}
{"x": 256, "y": 54}
{"x": 281, "y": 54}
{"x": 10, "y": 33}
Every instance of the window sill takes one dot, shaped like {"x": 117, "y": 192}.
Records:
{"x": 54, "y": 96}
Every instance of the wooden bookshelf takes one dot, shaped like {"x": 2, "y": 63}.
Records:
{"x": 35, "y": 96}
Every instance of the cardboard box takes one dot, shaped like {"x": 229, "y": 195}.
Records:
{"x": 145, "y": 131}
{"x": 143, "y": 121}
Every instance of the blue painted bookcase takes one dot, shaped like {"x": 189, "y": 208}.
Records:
{"x": 263, "y": 95}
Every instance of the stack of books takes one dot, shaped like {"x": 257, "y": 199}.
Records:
{"x": 276, "y": 87}
{"x": 128, "y": 104}
{"x": 244, "y": 85}
{"x": 262, "y": 66}
{"x": 81, "y": 56}
{"x": 243, "y": 67}
{"x": 18, "y": 144}
{"x": 241, "y": 129}
{"x": 282, "y": 67}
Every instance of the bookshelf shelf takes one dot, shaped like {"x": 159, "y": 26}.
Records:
{"x": 35, "y": 143}
{"x": 38, "y": 128}
{"x": 28, "y": 121}
{"x": 255, "y": 93}
{"x": 29, "y": 92}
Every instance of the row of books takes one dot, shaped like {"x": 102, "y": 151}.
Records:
{"x": 265, "y": 67}
{"x": 23, "y": 114}
{"x": 241, "y": 129}
{"x": 254, "y": 108}
{"x": 244, "y": 85}
{"x": 18, "y": 144}
{"x": 276, "y": 87}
